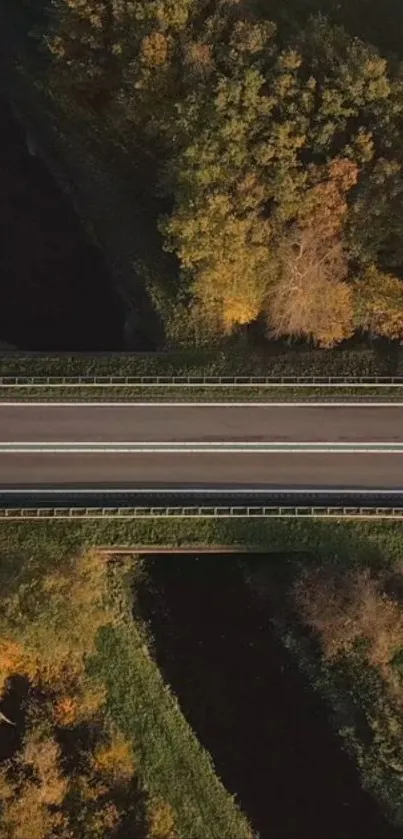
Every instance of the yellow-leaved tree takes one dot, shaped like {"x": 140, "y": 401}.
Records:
{"x": 311, "y": 298}
{"x": 379, "y": 303}
{"x": 49, "y": 622}
{"x": 229, "y": 258}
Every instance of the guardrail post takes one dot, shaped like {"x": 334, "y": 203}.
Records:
{"x": 36, "y": 513}
{"x": 200, "y": 381}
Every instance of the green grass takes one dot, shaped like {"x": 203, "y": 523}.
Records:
{"x": 371, "y": 542}
{"x": 195, "y": 394}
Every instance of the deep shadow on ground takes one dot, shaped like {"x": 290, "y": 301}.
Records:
{"x": 268, "y": 734}
{"x": 56, "y": 292}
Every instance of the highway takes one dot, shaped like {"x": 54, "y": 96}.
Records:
{"x": 78, "y": 446}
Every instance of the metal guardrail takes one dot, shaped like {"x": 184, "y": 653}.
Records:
{"x": 199, "y": 381}
{"x": 34, "y": 513}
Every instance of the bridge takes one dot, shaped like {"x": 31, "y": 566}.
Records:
{"x": 323, "y": 455}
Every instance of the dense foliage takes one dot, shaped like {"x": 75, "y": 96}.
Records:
{"x": 69, "y": 771}
{"x": 276, "y": 146}
{"x": 92, "y": 742}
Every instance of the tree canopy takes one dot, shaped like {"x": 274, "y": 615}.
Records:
{"x": 279, "y": 154}
{"x": 70, "y": 772}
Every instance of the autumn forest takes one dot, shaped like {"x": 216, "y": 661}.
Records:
{"x": 274, "y": 144}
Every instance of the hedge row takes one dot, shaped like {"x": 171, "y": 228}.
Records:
{"x": 378, "y": 360}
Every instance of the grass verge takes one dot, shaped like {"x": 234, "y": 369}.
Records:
{"x": 371, "y": 542}
{"x": 194, "y": 394}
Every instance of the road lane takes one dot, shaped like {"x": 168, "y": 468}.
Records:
{"x": 198, "y": 423}
{"x": 281, "y": 470}
{"x": 288, "y": 425}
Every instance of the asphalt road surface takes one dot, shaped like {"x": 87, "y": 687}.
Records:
{"x": 211, "y": 427}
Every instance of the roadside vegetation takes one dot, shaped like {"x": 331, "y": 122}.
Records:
{"x": 92, "y": 743}
{"x": 68, "y": 771}
{"x": 233, "y": 358}
{"x": 263, "y": 148}
{"x": 200, "y": 394}
{"x": 78, "y": 676}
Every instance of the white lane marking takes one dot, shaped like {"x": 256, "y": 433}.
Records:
{"x": 201, "y": 448}
{"x": 183, "y": 445}
{"x": 179, "y": 490}
{"x": 201, "y": 404}
{"x": 196, "y": 445}
{"x": 201, "y": 451}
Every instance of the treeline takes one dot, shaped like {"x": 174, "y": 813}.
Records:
{"x": 276, "y": 146}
